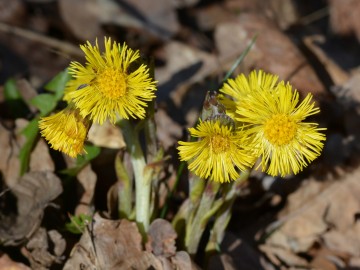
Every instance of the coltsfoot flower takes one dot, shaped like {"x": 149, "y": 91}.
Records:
{"x": 66, "y": 131}
{"x": 109, "y": 85}
{"x": 237, "y": 89}
{"x": 218, "y": 153}
{"x": 275, "y": 123}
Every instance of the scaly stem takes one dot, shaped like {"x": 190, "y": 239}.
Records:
{"x": 223, "y": 215}
{"x": 142, "y": 176}
{"x": 197, "y": 225}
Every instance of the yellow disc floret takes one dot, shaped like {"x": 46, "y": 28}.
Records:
{"x": 280, "y": 129}
{"x": 219, "y": 144}
{"x": 111, "y": 83}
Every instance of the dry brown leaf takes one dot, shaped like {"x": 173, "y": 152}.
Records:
{"x": 237, "y": 254}
{"x": 337, "y": 74}
{"x": 24, "y": 205}
{"x": 168, "y": 131}
{"x": 354, "y": 262}
{"x": 85, "y": 24}
{"x": 162, "y": 238}
{"x": 346, "y": 241}
{"x": 7, "y": 264}
{"x": 283, "y": 12}
{"x": 184, "y": 65}
{"x": 9, "y": 161}
{"x": 161, "y": 242}
{"x": 313, "y": 209}
{"x": 273, "y": 51}
{"x": 211, "y": 15}
{"x": 40, "y": 159}
{"x": 12, "y": 12}
{"x": 280, "y": 256}
{"x": 328, "y": 259}
{"x": 86, "y": 179}
{"x": 182, "y": 261}
{"x": 157, "y": 17}
{"x": 44, "y": 249}
{"x": 344, "y": 17}
{"x": 116, "y": 244}
{"x": 106, "y": 135}
{"x": 348, "y": 93}
{"x": 106, "y": 244}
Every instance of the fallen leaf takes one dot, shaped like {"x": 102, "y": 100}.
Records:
{"x": 182, "y": 261}
{"x": 346, "y": 241}
{"x": 237, "y": 254}
{"x": 86, "y": 179}
{"x": 344, "y": 17}
{"x": 283, "y": 257}
{"x": 162, "y": 238}
{"x": 40, "y": 159}
{"x": 156, "y": 17}
{"x": 7, "y": 264}
{"x": 44, "y": 249}
{"x": 9, "y": 162}
{"x": 324, "y": 258}
{"x": 106, "y": 244}
{"x": 337, "y": 74}
{"x": 273, "y": 51}
{"x": 24, "y": 203}
{"x": 12, "y": 12}
{"x": 301, "y": 224}
{"x": 184, "y": 65}
{"x": 167, "y": 130}
{"x": 106, "y": 135}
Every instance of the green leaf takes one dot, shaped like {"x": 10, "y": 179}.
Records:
{"x": 30, "y": 132}
{"x": 92, "y": 152}
{"x": 11, "y": 92}
{"x": 14, "y": 101}
{"x": 58, "y": 83}
{"x": 46, "y": 103}
{"x": 78, "y": 223}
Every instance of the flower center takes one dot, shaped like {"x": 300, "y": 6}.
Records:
{"x": 219, "y": 144}
{"x": 280, "y": 129}
{"x": 111, "y": 83}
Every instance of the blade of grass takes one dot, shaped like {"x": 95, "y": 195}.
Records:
{"x": 240, "y": 58}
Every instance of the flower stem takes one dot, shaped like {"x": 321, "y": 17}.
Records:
{"x": 142, "y": 176}
{"x": 198, "y": 224}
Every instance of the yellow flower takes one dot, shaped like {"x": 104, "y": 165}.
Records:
{"x": 110, "y": 84}
{"x": 237, "y": 89}
{"x": 66, "y": 131}
{"x": 217, "y": 153}
{"x": 277, "y": 130}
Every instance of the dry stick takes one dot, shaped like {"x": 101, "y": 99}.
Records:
{"x": 62, "y": 46}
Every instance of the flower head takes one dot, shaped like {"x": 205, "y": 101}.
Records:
{"x": 277, "y": 130}
{"x": 110, "y": 84}
{"x": 66, "y": 131}
{"x": 218, "y": 152}
{"x": 237, "y": 89}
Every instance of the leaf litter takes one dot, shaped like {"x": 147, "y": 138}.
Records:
{"x": 316, "y": 223}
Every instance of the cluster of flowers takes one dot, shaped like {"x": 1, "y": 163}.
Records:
{"x": 111, "y": 84}
{"x": 264, "y": 117}
{"x": 267, "y": 124}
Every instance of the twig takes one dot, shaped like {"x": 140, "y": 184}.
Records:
{"x": 62, "y": 46}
